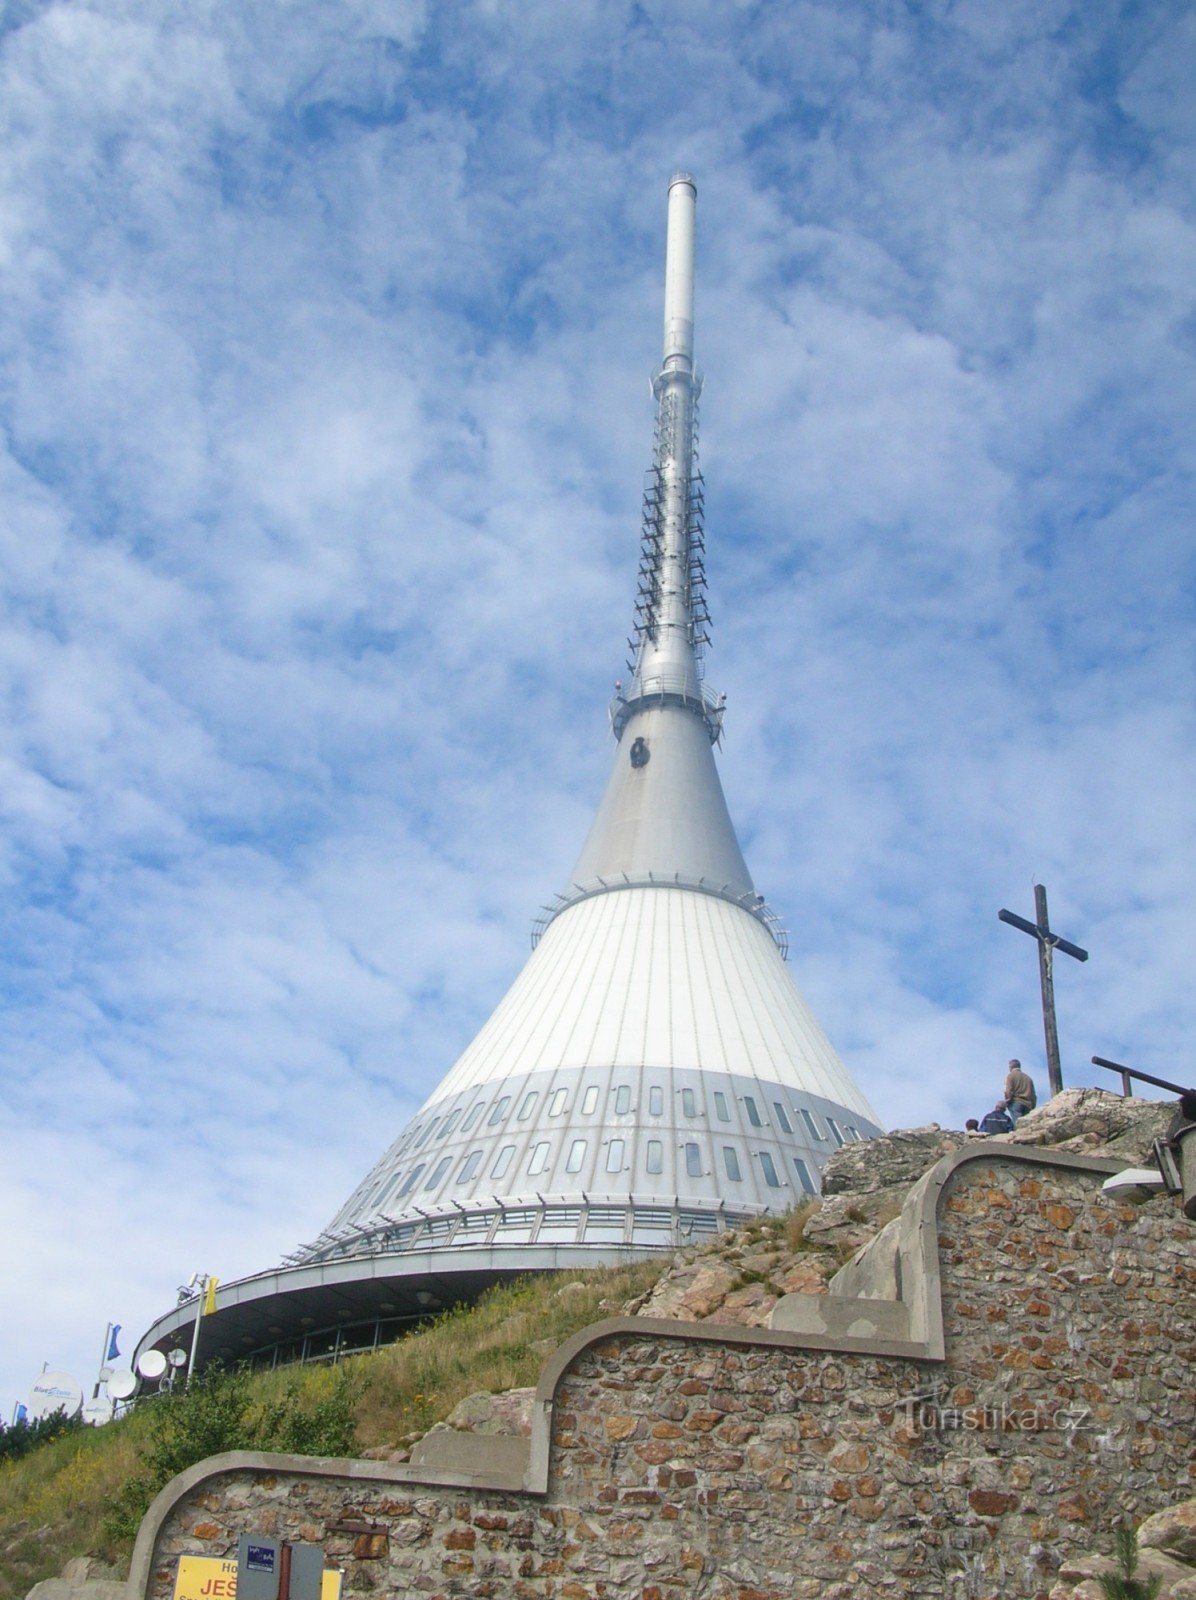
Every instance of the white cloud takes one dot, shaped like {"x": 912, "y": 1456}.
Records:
{"x": 323, "y": 341}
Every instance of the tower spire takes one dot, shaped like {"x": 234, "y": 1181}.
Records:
{"x": 663, "y": 817}
{"x": 671, "y": 614}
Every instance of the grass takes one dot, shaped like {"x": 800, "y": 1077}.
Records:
{"x": 82, "y": 1493}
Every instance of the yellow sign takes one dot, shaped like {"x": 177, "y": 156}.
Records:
{"x": 209, "y": 1578}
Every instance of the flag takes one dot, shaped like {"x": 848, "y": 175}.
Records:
{"x": 22, "y": 1415}
{"x": 209, "y": 1304}
{"x": 113, "y": 1352}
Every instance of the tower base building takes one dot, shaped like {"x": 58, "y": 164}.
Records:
{"x": 653, "y": 1075}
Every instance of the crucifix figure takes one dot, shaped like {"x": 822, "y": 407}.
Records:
{"x": 1048, "y": 943}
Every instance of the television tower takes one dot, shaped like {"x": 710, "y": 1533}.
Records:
{"x": 653, "y": 1075}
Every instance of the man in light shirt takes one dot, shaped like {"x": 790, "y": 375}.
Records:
{"x": 1019, "y": 1092}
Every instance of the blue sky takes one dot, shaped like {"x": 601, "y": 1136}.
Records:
{"x": 325, "y": 331}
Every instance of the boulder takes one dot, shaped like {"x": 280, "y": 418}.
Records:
{"x": 78, "y": 1588}
{"x": 690, "y": 1292}
{"x": 506, "y": 1413}
{"x": 897, "y": 1158}
{"x": 1094, "y": 1122}
{"x": 1172, "y": 1531}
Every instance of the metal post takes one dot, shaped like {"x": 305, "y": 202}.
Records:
{"x": 199, "y": 1300}
{"x": 95, "y": 1393}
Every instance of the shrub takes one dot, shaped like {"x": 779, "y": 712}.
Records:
{"x": 25, "y": 1436}
{"x": 219, "y": 1412}
{"x": 1123, "y": 1585}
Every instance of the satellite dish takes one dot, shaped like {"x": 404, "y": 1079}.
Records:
{"x": 122, "y": 1385}
{"x": 51, "y": 1392}
{"x": 98, "y": 1412}
{"x": 151, "y": 1364}
{"x": 177, "y": 1358}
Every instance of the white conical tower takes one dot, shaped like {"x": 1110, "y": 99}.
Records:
{"x": 653, "y": 1073}
{"x": 653, "y": 1066}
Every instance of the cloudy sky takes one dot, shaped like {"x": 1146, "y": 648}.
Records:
{"x": 325, "y": 331}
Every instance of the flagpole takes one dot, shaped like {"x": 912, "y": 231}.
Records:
{"x": 201, "y": 1290}
{"x": 95, "y": 1393}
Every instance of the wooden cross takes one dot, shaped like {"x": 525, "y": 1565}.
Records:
{"x": 1048, "y": 943}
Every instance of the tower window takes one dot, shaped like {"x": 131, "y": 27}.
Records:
{"x": 412, "y": 1180}
{"x": 655, "y": 1101}
{"x": 474, "y": 1113}
{"x": 438, "y": 1171}
{"x": 639, "y": 753}
{"x": 614, "y": 1156}
{"x": 770, "y": 1170}
{"x": 693, "y": 1161}
{"x": 623, "y": 1097}
{"x": 749, "y": 1106}
{"x": 815, "y": 1131}
{"x": 577, "y": 1154}
{"x": 501, "y": 1107}
{"x": 539, "y": 1159}
{"x": 529, "y": 1105}
{"x": 853, "y": 1133}
{"x": 834, "y": 1127}
{"x": 803, "y": 1175}
{"x": 731, "y": 1162}
{"x": 655, "y": 1156}
{"x": 589, "y": 1101}
{"x": 424, "y": 1135}
{"x": 782, "y": 1117}
{"x": 720, "y": 1106}
{"x": 557, "y": 1104}
{"x": 469, "y": 1166}
{"x": 502, "y": 1161}
{"x": 689, "y": 1103}
{"x": 449, "y": 1126}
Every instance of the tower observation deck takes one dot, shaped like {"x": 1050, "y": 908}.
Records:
{"x": 653, "y": 1075}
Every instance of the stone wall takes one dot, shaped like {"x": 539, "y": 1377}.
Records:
{"x": 1038, "y": 1390}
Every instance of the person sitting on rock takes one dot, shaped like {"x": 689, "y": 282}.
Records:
{"x": 1019, "y": 1092}
{"x": 997, "y": 1120}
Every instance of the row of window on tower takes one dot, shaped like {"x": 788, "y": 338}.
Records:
{"x": 539, "y": 1161}
{"x": 558, "y": 1105}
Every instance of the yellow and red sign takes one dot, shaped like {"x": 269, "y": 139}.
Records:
{"x": 210, "y": 1578}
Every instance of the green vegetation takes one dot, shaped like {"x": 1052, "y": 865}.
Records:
{"x": 1123, "y": 1585}
{"x": 25, "y": 1436}
{"x": 82, "y": 1491}
{"x": 313, "y": 1415}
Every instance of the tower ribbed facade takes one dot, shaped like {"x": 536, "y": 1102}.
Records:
{"x": 653, "y": 1074}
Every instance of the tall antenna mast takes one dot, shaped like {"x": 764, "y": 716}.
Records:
{"x": 672, "y": 620}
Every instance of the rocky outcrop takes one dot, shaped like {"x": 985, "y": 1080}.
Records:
{"x": 509, "y": 1413}
{"x": 895, "y": 1161}
{"x": 1093, "y": 1122}
{"x": 737, "y": 1280}
{"x": 1166, "y": 1550}
{"x": 1172, "y": 1531}
{"x": 82, "y": 1579}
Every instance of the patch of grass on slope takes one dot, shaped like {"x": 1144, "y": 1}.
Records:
{"x": 83, "y": 1493}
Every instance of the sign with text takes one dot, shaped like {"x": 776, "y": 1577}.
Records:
{"x": 209, "y": 1578}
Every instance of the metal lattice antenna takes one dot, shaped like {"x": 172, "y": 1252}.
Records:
{"x": 672, "y": 620}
